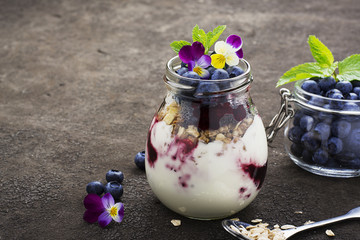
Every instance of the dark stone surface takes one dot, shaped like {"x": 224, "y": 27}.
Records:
{"x": 80, "y": 82}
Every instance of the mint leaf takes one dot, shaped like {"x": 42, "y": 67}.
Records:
{"x": 199, "y": 35}
{"x": 303, "y": 71}
{"x": 177, "y": 45}
{"x": 349, "y": 68}
{"x": 320, "y": 52}
{"x": 213, "y": 36}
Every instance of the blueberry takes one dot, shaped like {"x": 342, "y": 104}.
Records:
{"x": 191, "y": 74}
{"x": 340, "y": 128}
{"x": 356, "y": 90}
{"x": 352, "y": 96}
{"x": 345, "y": 87}
{"x": 140, "y": 160}
{"x": 307, "y": 122}
{"x": 324, "y": 116}
{"x": 298, "y": 115}
{"x": 311, "y": 86}
{"x": 95, "y": 187}
{"x": 235, "y": 71}
{"x": 349, "y": 106}
{"x": 114, "y": 175}
{"x": 296, "y": 149}
{"x": 219, "y": 74}
{"x": 115, "y": 189}
{"x": 331, "y": 92}
{"x": 334, "y": 104}
{"x": 307, "y": 156}
{"x": 320, "y": 156}
{"x": 310, "y": 140}
{"x": 349, "y": 160}
{"x": 327, "y": 83}
{"x": 182, "y": 70}
{"x": 323, "y": 129}
{"x": 316, "y": 101}
{"x": 207, "y": 87}
{"x": 295, "y": 134}
{"x": 334, "y": 145}
{"x": 353, "y": 141}
{"x": 211, "y": 70}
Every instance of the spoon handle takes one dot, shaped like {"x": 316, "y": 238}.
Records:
{"x": 290, "y": 232}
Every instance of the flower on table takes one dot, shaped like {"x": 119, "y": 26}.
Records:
{"x": 102, "y": 210}
{"x": 196, "y": 59}
{"x": 227, "y": 52}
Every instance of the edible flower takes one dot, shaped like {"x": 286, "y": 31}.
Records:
{"x": 227, "y": 52}
{"x": 196, "y": 59}
{"x": 102, "y": 209}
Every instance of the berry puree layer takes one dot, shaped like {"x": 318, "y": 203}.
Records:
{"x": 206, "y": 161}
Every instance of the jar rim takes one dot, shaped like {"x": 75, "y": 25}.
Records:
{"x": 173, "y": 79}
{"x": 302, "y": 97}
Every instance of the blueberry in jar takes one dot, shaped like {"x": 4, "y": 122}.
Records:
{"x": 182, "y": 70}
{"x": 327, "y": 83}
{"x": 334, "y": 145}
{"x": 295, "y": 134}
{"x": 340, "y": 128}
{"x": 310, "y": 141}
{"x": 323, "y": 130}
{"x": 307, "y": 122}
{"x": 311, "y": 86}
{"x": 296, "y": 149}
{"x": 320, "y": 156}
{"x": 345, "y": 87}
{"x": 352, "y": 96}
{"x": 219, "y": 74}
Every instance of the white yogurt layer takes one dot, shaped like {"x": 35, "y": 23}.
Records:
{"x": 211, "y": 181}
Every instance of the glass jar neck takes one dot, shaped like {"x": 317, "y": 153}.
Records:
{"x": 196, "y": 88}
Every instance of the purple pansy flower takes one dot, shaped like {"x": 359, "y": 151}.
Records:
{"x": 195, "y": 58}
{"x": 102, "y": 209}
{"x": 227, "y": 52}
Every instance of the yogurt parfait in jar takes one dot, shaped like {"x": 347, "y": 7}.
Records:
{"x": 206, "y": 151}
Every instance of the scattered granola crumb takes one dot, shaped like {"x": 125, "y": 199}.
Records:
{"x": 330, "y": 233}
{"x": 235, "y": 219}
{"x": 298, "y": 212}
{"x": 258, "y": 220}
{"x": 287, "y": 226}
{"x": 176, "y": 222}
{"x": 308, "y": 222}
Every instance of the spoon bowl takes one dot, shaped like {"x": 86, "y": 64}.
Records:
{"x": 234, "y": 227}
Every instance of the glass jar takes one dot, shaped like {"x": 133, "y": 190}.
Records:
{"x": 206, "y": 151}
{"x": 324, "y": 135}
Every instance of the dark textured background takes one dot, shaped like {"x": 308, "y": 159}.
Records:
{"x": 80, "y": 82}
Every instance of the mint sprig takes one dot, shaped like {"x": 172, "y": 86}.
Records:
{"x": 199, "y": 35}
{"x": 349, "y": 68}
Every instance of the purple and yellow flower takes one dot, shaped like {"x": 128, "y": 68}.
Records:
{"x": 195, "y": 58}
{"x": 102, "y": 209}
{"x": 227, "y": 52}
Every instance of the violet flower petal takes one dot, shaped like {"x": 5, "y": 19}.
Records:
{"x": 120, "y": 215}
{"x": 205, "y": 74}
{"x": 191, "y": 65}
{"x": 108, "y": 200}
{"x": 93, "y": 202}
{"x": 240, "y": 53}
{"x": 91, "y": 216}
{"x": 197, "y": 50}
{"x": 234, "y": 41}
{"x": 104, "y": 219}
{"x": 185, "y": 54}
{"x": 204, "y": 61}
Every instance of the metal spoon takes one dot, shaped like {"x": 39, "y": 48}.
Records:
{"x": 354, "y": 213}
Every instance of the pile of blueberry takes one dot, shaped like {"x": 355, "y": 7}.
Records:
{"x": 328, "y": 139}
{"x": 113, "y": 186}
{"x": 215, "y": 74}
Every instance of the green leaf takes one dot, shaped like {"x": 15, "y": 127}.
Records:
{"x": 349, "y": 68}
{"x": 303, "y": 71}
{"x": 199, "y": 35}
{"x": 213, "y": 36}
{"x": 320, "y": 52}
{"x": 177, "y": 45}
